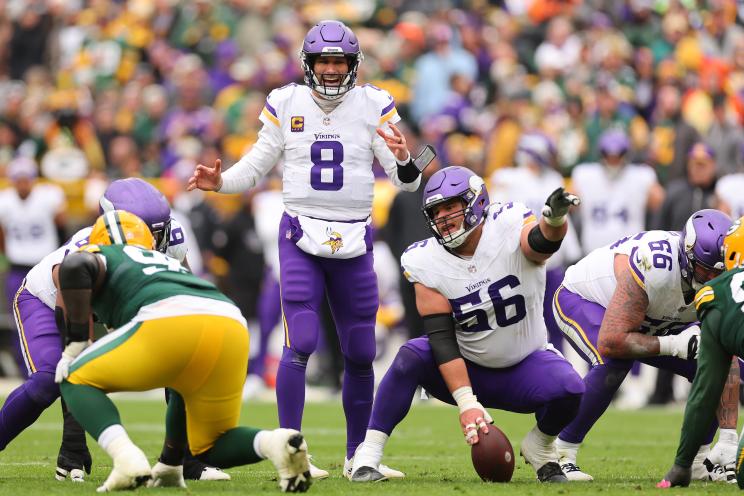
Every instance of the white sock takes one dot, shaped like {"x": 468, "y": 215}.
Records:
{"x": 257, "y": 443}
{"x": 114, "y": 439}
{"x": 546, "y": 439}
{"x": 567, "y": 450}
{"x": 702, "y": 454}
{"x": 369, "y": 453}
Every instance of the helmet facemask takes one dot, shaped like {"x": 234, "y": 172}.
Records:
{"x": 471, "y": 200}
{"x": 330, "y": 90}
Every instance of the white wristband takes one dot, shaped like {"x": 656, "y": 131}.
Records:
{"x": 728, "y": 436}
{"x": 555, "y": 221}
{"x": 667, "y": 346}
{"x": 465, "y": 398}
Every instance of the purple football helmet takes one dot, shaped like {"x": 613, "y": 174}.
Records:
{"x": 143, "y": 200}
{"x": 702, "y": 243}
{"x": 614, "y": 142}
{"x": 325, "y": 39}
{"x": 469, "y": 188}
{"x": 535, "y": 147}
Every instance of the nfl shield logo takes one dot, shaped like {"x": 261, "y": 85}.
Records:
{"x": 297, "y": 124}
{"x": 472, "y": 269}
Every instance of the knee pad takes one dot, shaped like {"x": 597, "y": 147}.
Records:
{"x": 303, "y": 328}
{"x": 359, "y": 345}
{"x": 42, "y": 388}
{"x": 292, "y": 357}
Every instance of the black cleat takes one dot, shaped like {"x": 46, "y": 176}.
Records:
{"x": 74, "y": 464}
{"x": 551, "y": 472}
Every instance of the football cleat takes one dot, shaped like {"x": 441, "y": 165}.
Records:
{"x": 720, "y": 473}
{"x": 542, "y": 456}
{"x": 287, "y": 450}
{"x": 131, "y": 470}
{"x": 387, "y": 472}
{"x": 167, "y": 476}
{"x": 73, "y": 464}
{"x": 315, "y": 472}
{"x": 367, "y": 474}
{"x": 195, "y": 469}
{"x": 574, "y": 473}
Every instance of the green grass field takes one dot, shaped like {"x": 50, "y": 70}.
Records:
{"x": 628, "y": 452}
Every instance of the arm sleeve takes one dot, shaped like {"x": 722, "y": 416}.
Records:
{"x": 713, "y": 364}
{"x": 246, "y": 172}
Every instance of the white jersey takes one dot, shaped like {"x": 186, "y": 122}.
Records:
{"x": 521, "y": 185}
{"x": 496, "y": 296}
{"x": 653, "y": 258}
{"x": 327, "y": 170}
{"x": 30, "y": 232}
{"x": 39, "y": 279}
{"x": 611, "y": 207}
{"x": 729, "y": 188}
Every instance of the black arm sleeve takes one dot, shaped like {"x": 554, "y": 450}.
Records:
{"x": 440, "y": 328}
{"x": 540, "y": 243}
{"x": 77, "y": 275}
{"x": 408, "y": 173}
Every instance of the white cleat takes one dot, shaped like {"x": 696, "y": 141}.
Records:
{"x": 213, "y": 474}
{"x": 539, "y": 450}
{"x": 287, "y": 450}
{"x": 317, "y": 473}
{"x": 131, "y": 470}
{"x": 76, "y": 474}
{"x": 167, "y": 476}
{"x": 573, "y": 472}
{"x": 384, "y": 470}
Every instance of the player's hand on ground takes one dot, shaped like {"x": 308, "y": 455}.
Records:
{"x": 558, "y": 203}
{"x": 676, "y": 477}
{"x": 396, "y": 142}
{"x": 206, "y": 178}
{"x": 69, "y": 354}
{"x": 474, "y": 422}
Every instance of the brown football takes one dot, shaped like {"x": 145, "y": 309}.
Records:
{"x": 493, "y": 456}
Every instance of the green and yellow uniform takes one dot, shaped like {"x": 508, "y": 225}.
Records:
{"x": 170, "y": 329}
{"x": 720, "y": 310}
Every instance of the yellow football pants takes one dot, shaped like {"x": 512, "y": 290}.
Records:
{"x": 202, "y": 357}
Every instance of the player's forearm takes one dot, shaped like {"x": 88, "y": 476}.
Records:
{"x": 390, "y": 165}
{"x": 627, "y": 344}
{"x": 246, "y": 172}
{"x": 728, "y": 408}
{"x": 455, "y": 374}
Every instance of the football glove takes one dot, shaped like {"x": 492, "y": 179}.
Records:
{"x": 683, "y": 345}
{"x": 69, "y": 354}
{"x": 556, "y": 206}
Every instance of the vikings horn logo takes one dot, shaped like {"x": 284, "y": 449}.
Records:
{"x": 334, "y": 240}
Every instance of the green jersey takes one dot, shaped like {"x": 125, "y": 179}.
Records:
{"x": 136, "y": 278}
{"x": 725, "y": 294}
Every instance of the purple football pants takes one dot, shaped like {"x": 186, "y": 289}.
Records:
{"x": 13, "y": 280}
{"x": 41, "y": 346}
{"x": 580, "y": 320}
{"x": 543, "y": 383}
{"x": 351, "y": 288}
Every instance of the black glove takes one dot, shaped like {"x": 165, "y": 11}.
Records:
{"x": 676, "y": 477}
{"x": 556, "y": 206}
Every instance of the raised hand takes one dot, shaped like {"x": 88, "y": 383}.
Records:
{"x": 206, "y": 178}
{"x": 557, "y": 205}
{"x": 396, "y": 142}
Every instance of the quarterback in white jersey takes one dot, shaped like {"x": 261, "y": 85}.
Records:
{"x": 479, "y": 286}
{"x": 615, "y": 196}
{"x": 328, "y": 133}
{"x": 632, "y": 300}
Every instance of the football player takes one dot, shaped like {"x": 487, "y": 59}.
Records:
{"x": 170, "y": 329}
{"x": 34, "y": 313}
{"x": 479, "y": 284}
{"x": 719, "y": 309}
{"x": 328, "y": 132}
{"x": 632, "y": 300}
{"x": 615, "y": 195}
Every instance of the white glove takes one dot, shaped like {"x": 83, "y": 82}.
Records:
{"x": 683, "y": 345}
{"x": 69, "y": 354}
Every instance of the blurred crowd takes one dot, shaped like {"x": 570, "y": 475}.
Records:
{"x": 94, "y": 90}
